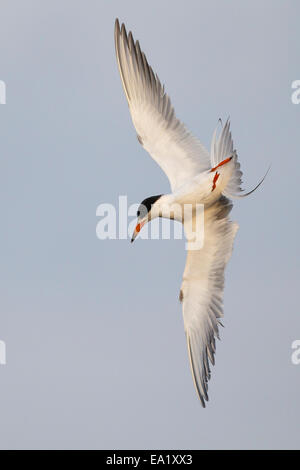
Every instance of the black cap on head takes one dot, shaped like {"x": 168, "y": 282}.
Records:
{"x": 146, "y": 204}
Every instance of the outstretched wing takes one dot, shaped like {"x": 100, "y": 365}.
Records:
{"x": 202, "y": 291}
{"x": 178, "y": 153}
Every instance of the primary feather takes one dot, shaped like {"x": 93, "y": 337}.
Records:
{"x": 180, "y": 155}
{"x": 202, "y": 291}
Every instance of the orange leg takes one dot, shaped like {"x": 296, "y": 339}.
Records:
{"x": 221, "y": 163}
{"x": 215, "y": 180}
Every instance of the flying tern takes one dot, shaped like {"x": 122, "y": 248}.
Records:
{"x": 196, "y": 177}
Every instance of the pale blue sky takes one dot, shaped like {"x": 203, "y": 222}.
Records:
{"x": 96, "y": 353}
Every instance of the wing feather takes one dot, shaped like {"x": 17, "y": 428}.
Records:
{"x": 177, "y": 152}
{"x": 202, "y": 292}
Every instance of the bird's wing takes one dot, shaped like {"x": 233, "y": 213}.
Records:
{"x": 202, "y": 291}
{"x": 178, "y": 153}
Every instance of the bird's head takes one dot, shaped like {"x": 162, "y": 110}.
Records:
{"x": 148, "y": 209}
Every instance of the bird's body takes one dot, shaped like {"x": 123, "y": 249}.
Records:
{"x": 197, "y": 177}
{"x": 197, "y": 191}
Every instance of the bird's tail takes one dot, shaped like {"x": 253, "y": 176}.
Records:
{"x": 221, "y": 151}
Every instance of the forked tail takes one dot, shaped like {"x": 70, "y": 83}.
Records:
{"x": 222, "y": 152}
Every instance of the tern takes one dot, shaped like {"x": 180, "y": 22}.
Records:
{"x": 196, "y": 177}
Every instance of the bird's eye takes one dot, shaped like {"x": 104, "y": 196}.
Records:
{"x": 138, "y": 213}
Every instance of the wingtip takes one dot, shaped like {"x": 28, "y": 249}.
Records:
{"x": 200, "y": 387}
{"x": 117, "y": 25}
{"x": 120, "y": 29}
{"x": 130, "y": 38}
{"x": 123, "y": 30}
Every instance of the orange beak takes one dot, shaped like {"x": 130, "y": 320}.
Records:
{"x": 137, "y": 230}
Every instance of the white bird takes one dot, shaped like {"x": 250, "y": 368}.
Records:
{"x": 196, "y": 177}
